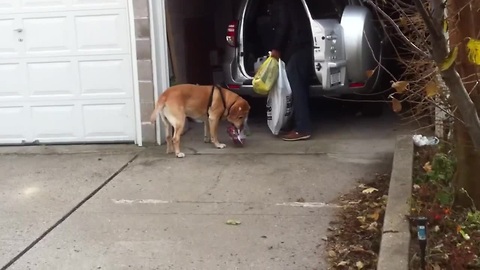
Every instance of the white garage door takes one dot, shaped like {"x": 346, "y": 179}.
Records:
{"x": 65, "y": 71}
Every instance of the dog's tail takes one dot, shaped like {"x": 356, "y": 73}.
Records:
{"x": 158, "y": 108}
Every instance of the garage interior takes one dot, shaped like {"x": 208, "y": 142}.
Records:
{"x": 195, "y": 51}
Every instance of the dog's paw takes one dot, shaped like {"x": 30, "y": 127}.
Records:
{"x": 180, "y": 155}
{"x": 221, "y": 145}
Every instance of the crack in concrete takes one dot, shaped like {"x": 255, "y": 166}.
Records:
{"x": 390, "y": 231}
{"x": 68, "y": 214}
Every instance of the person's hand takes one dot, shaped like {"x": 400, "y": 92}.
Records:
{"x": 275, "y": 54}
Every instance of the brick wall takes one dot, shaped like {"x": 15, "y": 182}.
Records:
{"x": 144, "y": 61}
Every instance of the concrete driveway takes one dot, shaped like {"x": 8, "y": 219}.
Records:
{"x": 124, "y": 207}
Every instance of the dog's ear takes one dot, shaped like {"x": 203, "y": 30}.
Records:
{"x": 235, "y": 110}
{"x": 241, "y": 107}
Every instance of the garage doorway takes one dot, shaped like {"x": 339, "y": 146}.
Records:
{"x": 196, "y": 38}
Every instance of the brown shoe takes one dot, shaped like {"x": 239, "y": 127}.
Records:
{"x": 282, "y": 133}
{"x": 295, "y": 136}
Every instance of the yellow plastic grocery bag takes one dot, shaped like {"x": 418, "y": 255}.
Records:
{"x": 266, "y": 76}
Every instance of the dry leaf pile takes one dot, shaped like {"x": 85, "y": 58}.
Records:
{"x": 355, "y": 235}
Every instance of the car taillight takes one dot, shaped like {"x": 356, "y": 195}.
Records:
{"x": 233, "y": 86}
{"x": 357, "y": 85}
{"x": 232, "y": 34}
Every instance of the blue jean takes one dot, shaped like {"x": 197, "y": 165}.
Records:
{"x": 299, "y": 68}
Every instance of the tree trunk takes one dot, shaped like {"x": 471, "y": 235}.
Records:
{"x": 468, "y": 163}
{"x": 466, "y": 24}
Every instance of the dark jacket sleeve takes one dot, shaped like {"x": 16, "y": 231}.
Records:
{"x": 282, "y": 25}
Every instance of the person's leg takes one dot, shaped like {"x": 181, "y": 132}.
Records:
{"x": 298, "y": 72}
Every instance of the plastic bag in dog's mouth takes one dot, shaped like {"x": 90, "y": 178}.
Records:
{"x": 237, "y": 135}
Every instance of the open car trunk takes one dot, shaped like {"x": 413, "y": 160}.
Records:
{"x": 258, "y": 31}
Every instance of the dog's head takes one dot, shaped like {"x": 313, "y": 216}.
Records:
{"x": 238, "y": 113}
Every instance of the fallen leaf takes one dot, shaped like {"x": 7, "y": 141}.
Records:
{"x": 359, "y": 265}
{"x": 400, "y": 86}
{"x": 342, "y": 263}
{"x": 355, "y": 202}
{"x": 372, "y": 226}
{"x": 436, "y": 267}
{"x": 332, "y": 253}
{"x": 448, "y": 62}
{"x": 396, "y": 105}
{"x": 369, "y": 190}
{"x": 362, "y": 219}
{"x": 233, "y": 222}
{"x": 431, "y": 89}
{"x": 362, "y": 186}
{"x": 427, "y": 167}
{"x": 375, "y": 215}
{"x": 416, "y": 186}
{"x": 436, "y": 228}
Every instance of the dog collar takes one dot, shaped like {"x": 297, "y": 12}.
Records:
{"x": 210, "y": 100}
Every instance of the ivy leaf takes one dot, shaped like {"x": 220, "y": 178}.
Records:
{"x": 448, "y": 62}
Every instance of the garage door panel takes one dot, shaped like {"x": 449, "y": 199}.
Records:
{"x": 102, "y": 33}
{"x": 107, "y": 121}
{"x": 47, "y": 35}
{"x": 13, "y": 81}
{"x": 108, "y": 77}
{"x": 8, "y": 6}
{"x": 9, "y": 38}
{"x": 14, "y": 128}
{"x": 44, "y": 4}
{"x": 99, "y": 3}
{"x": 32, "y": 6}
{"x": 64, "y": 117}
{"x": 50, "y": 79}
{"x": 65, "y": 72}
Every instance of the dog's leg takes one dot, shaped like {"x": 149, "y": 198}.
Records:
{"x": 168, "y": 133}
{"x": 177, "y": 134}
{"x": 177, "y": 120}
{"x": 213, "y": 132}
{"x": 206, "y": 131}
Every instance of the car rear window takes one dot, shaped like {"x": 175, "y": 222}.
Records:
{"x": 325, "y": 9}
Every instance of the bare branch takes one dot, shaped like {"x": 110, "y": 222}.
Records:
{"x": 407, "y": 41}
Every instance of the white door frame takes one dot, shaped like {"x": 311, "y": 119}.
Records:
{"x": 160, "y": 56}
{"x": 136, "y": 87}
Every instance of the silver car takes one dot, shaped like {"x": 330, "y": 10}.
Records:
{"x": 348, "y": 45}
